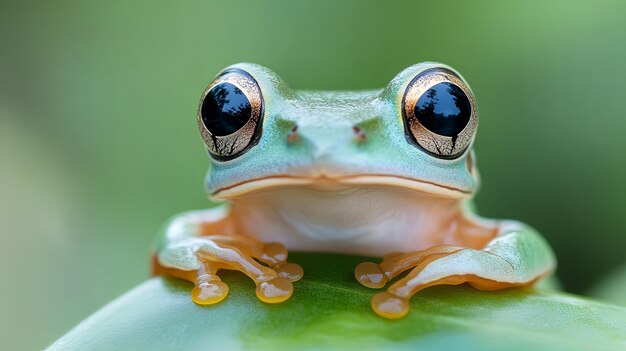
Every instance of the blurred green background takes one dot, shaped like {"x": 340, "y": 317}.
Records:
{"x": 98, "y": 142}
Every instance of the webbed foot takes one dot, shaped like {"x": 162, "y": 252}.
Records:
{"x": 198, "y": 260}
{"x": 390, "y": 304}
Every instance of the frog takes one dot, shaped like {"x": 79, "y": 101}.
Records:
{"x": 388, "y": 173}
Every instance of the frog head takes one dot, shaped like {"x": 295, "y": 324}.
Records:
{"x": 415, "y": 134}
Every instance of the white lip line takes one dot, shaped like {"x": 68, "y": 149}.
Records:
{"x": 371, "y": 179}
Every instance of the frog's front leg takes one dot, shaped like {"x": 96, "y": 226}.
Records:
{"x": 516, "y": 256}
{"x": 194, "y": 245}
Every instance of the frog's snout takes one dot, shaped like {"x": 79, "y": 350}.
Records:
{"x": 326, "y": 140}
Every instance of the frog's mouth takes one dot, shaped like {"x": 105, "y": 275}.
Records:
{"x": 337, "y": 183}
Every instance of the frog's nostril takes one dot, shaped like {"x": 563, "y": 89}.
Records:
{"x": 293, "y": 134}
{"x": 359, "y": 134}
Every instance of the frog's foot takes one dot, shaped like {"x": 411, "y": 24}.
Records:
{"x": 516, "y": 256}
{"x": 394, "y": 303}
{"x": 442, "y": 265}
{"x": 376, "y": 276}
{"x": 198, "y": 259}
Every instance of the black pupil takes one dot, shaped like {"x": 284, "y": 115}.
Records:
{"x": 225, "y": 109}
{"x": 444, "y": 109}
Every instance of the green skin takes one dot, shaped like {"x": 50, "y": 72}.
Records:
{"x": 508, "y": 253}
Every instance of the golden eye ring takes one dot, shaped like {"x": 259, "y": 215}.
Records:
{"x": 440, "y": 113}
{"x": 230, "y": 114}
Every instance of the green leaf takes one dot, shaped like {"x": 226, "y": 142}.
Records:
{"x": 330, "y": 310}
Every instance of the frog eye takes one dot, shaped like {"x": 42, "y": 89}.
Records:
{"x": 439, "y": 113}
{"x": 230, "y": 114}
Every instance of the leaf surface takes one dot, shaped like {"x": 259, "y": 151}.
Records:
{"x": 330, "y": 310}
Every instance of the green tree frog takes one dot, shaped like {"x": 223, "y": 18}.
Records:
{"x": 388, "y": 173}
